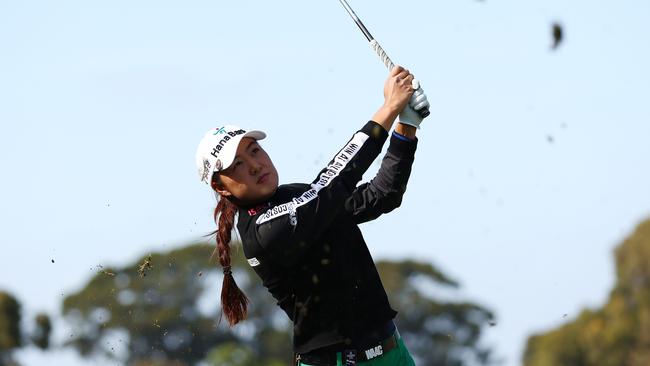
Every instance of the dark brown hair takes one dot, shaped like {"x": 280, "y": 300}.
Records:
{"x": 234, "y": 304}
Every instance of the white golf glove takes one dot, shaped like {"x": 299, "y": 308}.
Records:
{"x": 409, "y": 115}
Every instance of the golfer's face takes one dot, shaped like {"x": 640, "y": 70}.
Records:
{"x": 251, "y": 177}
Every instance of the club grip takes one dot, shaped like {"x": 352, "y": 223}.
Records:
{"x": 382, "y": 55}
{"x": 423, "y": 112}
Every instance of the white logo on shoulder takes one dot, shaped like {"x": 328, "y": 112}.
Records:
{"x": 253, "y": 262}
{"x": 374, "y": 352}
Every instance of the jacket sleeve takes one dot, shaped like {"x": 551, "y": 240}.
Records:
{"x": 286, "y": 230}
{"x": 384, "y": 192}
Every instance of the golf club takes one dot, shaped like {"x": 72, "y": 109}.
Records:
{"x": 421, "y": 107}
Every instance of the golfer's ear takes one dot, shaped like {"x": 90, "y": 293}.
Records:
{"x": 218, "y": 186}
{"x": 223, "y": 192}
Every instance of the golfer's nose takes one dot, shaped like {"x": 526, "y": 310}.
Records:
{"x": 255, "y": 167}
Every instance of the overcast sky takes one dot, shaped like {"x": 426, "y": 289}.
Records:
{"x": 531, "y": 168}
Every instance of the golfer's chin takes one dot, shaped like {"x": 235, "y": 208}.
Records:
{"x": 267, "y": 192}
{"x": 260, "y": 192}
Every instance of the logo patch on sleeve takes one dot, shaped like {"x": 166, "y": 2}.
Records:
{"x": 253, "y": 262}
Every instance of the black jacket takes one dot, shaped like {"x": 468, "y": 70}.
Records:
{"x": 305, "y": 244}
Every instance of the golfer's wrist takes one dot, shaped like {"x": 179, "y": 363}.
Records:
{"x": 392, "y": 108}
{"x": 385, "y": 116}
{"x": 405, "y": 130}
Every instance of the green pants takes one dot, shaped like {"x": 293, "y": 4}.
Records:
{"x": 398, "y": 356}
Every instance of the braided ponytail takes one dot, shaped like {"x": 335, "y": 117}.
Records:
{"x": 234, "y": 304}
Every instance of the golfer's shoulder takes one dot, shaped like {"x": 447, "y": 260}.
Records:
{"x": 246, "y": 227}
{"x": 284, "y": 194}
{"x": 294, "y": 189}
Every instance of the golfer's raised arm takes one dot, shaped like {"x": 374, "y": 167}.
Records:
{"x": 385, "y": 191}
{"x": 284, "y": 230}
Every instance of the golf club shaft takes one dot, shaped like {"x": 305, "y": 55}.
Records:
{"x": 423, "y": 112}
{"x": 357, "y": 20}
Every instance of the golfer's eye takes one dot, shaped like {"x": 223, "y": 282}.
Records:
{"x": 236, "y": 164}
{"x": 255, "y": 150}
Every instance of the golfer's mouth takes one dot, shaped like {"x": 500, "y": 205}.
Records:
{"x": 263, "y": 178}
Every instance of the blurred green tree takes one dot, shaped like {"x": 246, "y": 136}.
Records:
{"x": 436, "y": 331}
{"x": 618, "y": 333}
{"x": 10, "y": 335}
{"x": 162, "y": 318}
{"x": 43, "y": 328}
{"x": 237, "y": 354}
{"x": 155, "y": 310}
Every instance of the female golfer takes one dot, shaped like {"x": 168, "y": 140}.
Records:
{"x": 303, "y": 240}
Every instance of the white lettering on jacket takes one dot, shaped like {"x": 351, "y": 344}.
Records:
{"x": 374, "y": 352}
{"x": 330, "y": 173}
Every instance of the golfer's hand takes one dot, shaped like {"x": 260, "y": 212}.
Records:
{"x": 398, "y": 89}
{"x": 409, "y": 116}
